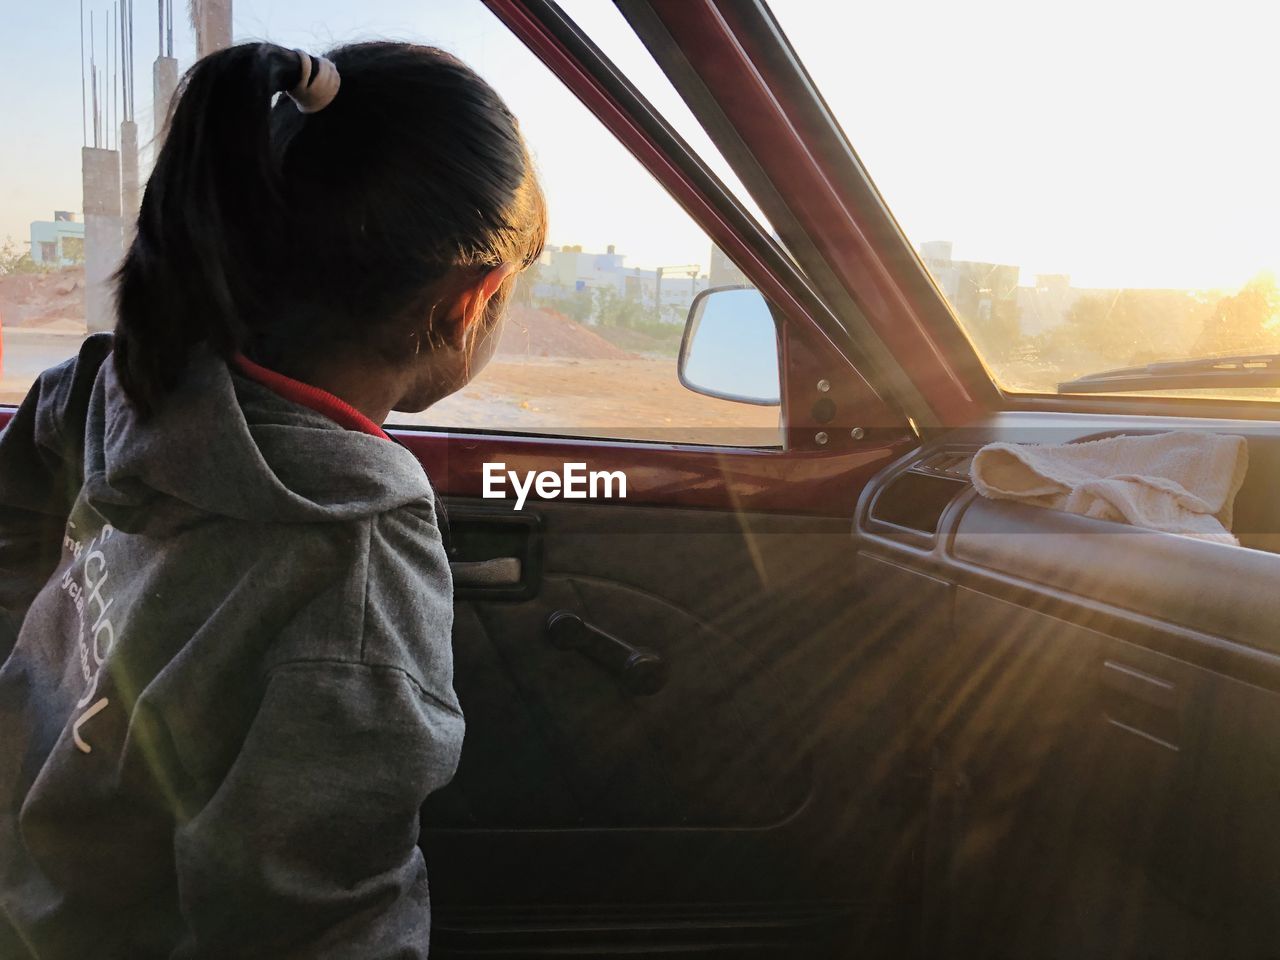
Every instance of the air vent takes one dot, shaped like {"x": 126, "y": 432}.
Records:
{"x": 949, "y": 463}
{"x": 916, "y": 499}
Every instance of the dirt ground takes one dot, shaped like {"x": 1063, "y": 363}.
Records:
{"x": 532, "y": 332}
{"x": 51, "y": 301}
{"x": 631, "y": 399}
{"x": 637, "y": 399}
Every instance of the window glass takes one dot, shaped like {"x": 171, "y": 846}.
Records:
{"x": 592, "y": 337}
{"x": 1092, "y": 185}
{"x": 608, "y": 30}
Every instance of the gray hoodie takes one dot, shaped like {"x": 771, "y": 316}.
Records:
{"x": 226, "y": 680}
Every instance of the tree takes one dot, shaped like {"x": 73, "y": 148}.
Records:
{"x": 613, "y": 310}
{"x": 576, "y": 304}
{"x": 73, "y": 250}
{"x": 525, "y": 282}
{"x": 1245, "y": 322}
{"x": 1125, "y": 327}
{"x": 16, "y": 258}
{"x": 674, "y": 314}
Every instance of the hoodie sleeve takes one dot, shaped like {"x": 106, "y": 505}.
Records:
{"x": 40, "y": 477}
{"x": 309, "y": 847}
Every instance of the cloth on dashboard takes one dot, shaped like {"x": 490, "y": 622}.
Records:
{"x": 1183, "y": 483}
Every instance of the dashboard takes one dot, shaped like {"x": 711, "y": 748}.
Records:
{"x": 1091, "y": 680}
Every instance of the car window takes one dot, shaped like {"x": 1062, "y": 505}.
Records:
{"x": 1091, "y": 186}
{"x": 591, "y": 341}
{"x": 605, "y": 25}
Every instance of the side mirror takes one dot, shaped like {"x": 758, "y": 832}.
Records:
{"x": 730, "y": 347}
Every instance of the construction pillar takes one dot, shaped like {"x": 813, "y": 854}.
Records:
{"x": 103, "y": 235}
{"x": 130, "y": 188}
{"x": 213, "y": 25}
{"x": 164, "y": 81}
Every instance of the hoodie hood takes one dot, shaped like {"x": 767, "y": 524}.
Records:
{"x": 225, "y": 445}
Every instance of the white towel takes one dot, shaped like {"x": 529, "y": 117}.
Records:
{"x": 1182, "y": 483}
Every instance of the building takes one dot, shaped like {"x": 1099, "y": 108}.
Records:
{"x": 724, "y": 272}
{"x": 1047, "y": 304}
{"x": 664, "y": 293}
{"x": 571, "y": 268}
{"x": 936, "y": 250}
{"x": 984, "y": 295}
{"x": 58, "y": 242}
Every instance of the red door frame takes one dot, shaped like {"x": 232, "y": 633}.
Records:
{"x": 748, "y": 69}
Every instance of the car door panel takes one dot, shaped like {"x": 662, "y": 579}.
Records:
{"x": 685, "y": 756}
{"x": 739, "y": 808}
{"x": 766, "y": 783}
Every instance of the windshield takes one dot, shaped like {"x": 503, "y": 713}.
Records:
{"x": 1091, "y": 185}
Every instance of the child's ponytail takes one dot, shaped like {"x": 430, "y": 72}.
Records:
{"x": 208, "y": 222}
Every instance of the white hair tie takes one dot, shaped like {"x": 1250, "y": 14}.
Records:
{"x": 318, "y": 87}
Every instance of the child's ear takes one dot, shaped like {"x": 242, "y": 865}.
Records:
{"x": 468, "y": 307}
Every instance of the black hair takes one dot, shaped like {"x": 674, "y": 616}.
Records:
{"x": 283, "y": 234}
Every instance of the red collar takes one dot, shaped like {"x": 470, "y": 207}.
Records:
{"x": 322, "y": 401}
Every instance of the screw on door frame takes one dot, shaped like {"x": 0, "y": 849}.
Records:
{"x": 857, "y": 433}
{"x": 821, "y": 438}
{"x": 824, "y": 386}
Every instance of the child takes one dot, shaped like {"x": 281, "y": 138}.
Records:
{"x": 226, "y": 682}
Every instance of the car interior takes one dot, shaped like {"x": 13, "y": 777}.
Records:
{"x": 952, "y": 726}
{"x": 819, "y": 697}
{"x": 911, "y": 721}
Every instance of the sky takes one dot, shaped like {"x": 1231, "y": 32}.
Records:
{"x": 1127, "y": 143}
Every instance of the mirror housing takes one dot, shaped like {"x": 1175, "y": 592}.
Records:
{"x": 730, "y": 347}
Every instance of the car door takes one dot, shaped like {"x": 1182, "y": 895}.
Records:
{"x": 681, "y": 735}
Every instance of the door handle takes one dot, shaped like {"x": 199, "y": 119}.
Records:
{"x": 498, "y": 572}
{"x": 495, "y": 555}
{"x": 640, "y": 670}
